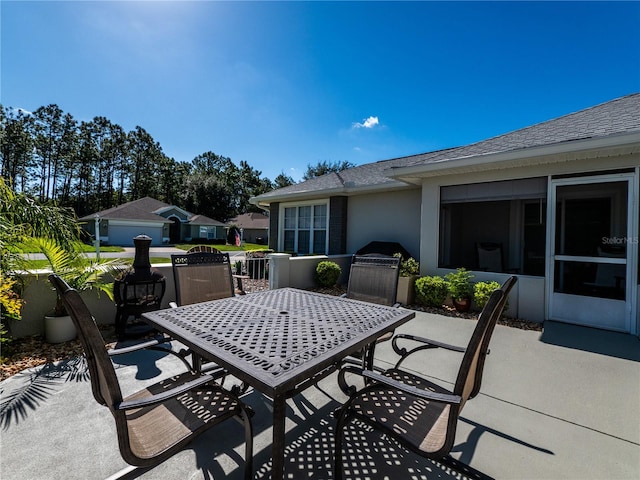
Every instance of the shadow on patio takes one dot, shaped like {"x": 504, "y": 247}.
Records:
{"x": 545, "y": 411}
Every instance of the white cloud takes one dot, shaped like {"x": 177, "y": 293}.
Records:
{"x": 368, "y": 123}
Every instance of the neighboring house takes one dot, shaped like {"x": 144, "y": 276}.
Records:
{"x": 162, "y": 222}
{"x": 254, "y": 227}
{"x": 556, "y": 203}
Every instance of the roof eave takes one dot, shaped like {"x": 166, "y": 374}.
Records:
{"x": 391, "y": 185}
{"x": 624, "y": 143}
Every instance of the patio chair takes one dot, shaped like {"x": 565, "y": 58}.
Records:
{"x": 373, "y": 278}
{"x": 421, "y": 415}
{"x": 490, "y": 257}
{"x": 203, "y": 248}
{"x": 162, "y": 419}
{"x": 202, "y": 276}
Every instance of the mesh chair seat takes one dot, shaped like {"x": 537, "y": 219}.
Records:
{"x": 156, "y": 429}
{"x": 424, "y": 429}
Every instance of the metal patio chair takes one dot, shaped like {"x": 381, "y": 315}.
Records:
{"x": 373, "y": 278}
{"x": 202, "y": 276}
{"x": 421, "y": 415}
{"x": 203, "y": 248}
{"x": 162, "y": 419}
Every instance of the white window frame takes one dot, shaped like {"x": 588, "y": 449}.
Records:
{"x": 312, "y": 230}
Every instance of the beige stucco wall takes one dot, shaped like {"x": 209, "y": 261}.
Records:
{"x": 531, "y": 291}
{"x": 387, "y": 217}
{"x": 39, "y": 300}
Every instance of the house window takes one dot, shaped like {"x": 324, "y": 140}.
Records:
{"x": 495, "y": 226}
{"x": 305, "y": 229}
{"x": 208, "y": 232}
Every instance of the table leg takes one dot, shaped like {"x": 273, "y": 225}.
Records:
{"x": 277, "y": 447}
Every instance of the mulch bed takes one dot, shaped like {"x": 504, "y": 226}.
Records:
{"x": 28, "y": 352}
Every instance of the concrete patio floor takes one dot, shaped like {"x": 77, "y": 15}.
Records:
{"x": 564, "y": 404}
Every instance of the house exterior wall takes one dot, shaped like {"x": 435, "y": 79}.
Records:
{"x": 531, "y": 294}
{"x": 387, "y": 217}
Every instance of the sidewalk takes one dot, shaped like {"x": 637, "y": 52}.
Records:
{"x": 558, "y": 405}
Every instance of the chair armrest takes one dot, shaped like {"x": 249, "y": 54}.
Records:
{"x": 161, "y": 397}
{"x": 447, "y": 398}
{"x": 138, "y": 346}
{"x": 428, "y": 343}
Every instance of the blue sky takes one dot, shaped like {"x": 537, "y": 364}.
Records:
{"x": 283, "y": 85}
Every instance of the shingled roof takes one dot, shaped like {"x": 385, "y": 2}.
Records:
{"x": 141, "y": 209}
{"x": 615, "y": 117}
{"x": 144, "y": 209}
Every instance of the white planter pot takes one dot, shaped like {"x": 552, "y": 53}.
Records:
{"x": 59, "y": 329}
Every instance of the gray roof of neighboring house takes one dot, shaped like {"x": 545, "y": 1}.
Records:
{"x": 143, "y": 210}
{"x": 621, "y": 115}
{"x": 250, "y": 220}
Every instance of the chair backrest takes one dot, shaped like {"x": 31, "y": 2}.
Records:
{"x": 374, "y": 278}
{"x": 469, "y": 377}
{"x": 202, "y": 276}
{"x": 489, "y": 256}
{"x": 203, "y": 248}
{"x": 104, "y": 383}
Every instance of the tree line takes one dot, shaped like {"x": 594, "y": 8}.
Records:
{"x": 95, "y": 165}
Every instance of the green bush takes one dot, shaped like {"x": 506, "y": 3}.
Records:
{"x": 431, "y": 291}
{"x": 482, "y": 291}
{"x": 408, "y": 267}
{"x": 459, "y": 283}
{"x": 327, "y": 273}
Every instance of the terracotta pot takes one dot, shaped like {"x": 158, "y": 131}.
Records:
{"x": 462, "y": 304}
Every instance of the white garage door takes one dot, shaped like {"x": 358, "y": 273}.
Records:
{"x": 122, "y": 235}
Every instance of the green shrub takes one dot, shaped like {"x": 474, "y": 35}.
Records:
{"x": 327, "y": 273}
{"x": 408, "y": 267}
{"x": 482, "y": 291}
{"x": 460, "y": 285}
{"x": 431, "y": 291}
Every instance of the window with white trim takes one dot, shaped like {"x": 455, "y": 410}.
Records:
{"x": 305, "y": 229}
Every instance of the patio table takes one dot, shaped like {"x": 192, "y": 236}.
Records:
{"x": 278, "y": 341}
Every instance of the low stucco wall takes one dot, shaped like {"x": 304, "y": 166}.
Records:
{"x": 299, "y": 272}
{"x": 526, "y": 300}
{"x": 39, "y": 300}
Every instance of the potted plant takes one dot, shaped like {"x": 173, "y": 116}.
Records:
{"x": 81, "y": 273}
{"x": 460, "y": 288}
{"x": 409, "y": 272}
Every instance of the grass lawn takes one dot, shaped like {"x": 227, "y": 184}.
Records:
{"x": 43, "y": 264}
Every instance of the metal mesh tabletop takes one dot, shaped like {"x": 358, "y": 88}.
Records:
{"x": 278, "y": 337}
